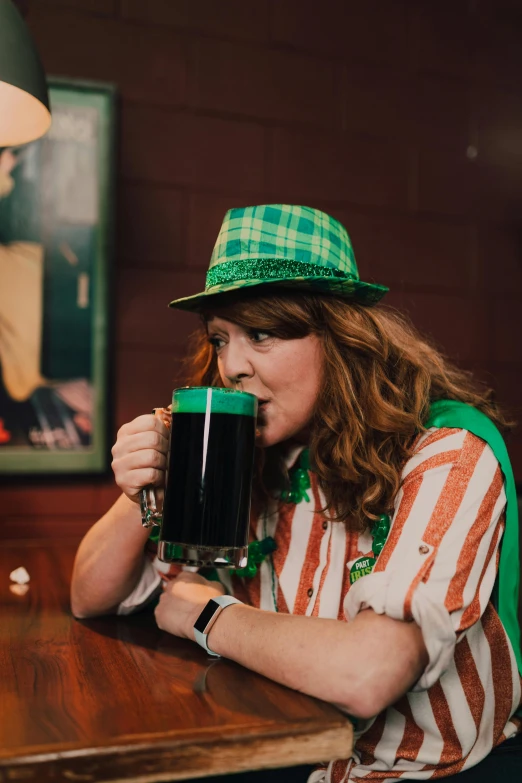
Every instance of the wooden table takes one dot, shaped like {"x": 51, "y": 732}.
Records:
{"x": 116, "y": 699}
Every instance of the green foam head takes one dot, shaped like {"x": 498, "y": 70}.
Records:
{"x": 200, "y": 399}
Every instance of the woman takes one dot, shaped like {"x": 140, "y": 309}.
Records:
{"x": 396, "y": 527}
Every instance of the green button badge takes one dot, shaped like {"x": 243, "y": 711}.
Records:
{"x": 361, "y": 567}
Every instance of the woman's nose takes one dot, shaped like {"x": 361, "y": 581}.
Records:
{"x": 236, "y": 365}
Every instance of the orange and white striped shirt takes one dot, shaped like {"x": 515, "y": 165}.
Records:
{"x": 438, "y": 568}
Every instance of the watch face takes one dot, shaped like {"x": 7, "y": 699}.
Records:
{"x": 206, "y": 616}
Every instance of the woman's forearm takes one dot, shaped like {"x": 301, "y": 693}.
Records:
{"x": 362, "y": 666}
{"x": 109, "y": 560}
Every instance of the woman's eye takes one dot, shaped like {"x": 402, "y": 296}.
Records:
{"x": 216, "y": 342}
{"x": 258, "y": 336}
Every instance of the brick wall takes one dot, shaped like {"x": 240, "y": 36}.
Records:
{"x": 403, "y": 119}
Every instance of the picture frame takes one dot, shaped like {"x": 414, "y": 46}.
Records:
{"x": 56, "y": 235}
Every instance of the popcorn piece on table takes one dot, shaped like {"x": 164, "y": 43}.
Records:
{"x": 20, "y": 576}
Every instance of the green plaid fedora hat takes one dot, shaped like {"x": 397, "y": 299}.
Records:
{"x": 284, "y": 246}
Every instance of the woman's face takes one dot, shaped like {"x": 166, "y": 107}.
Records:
{"x": 284, "y": 375}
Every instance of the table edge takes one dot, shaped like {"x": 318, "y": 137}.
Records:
{"x": 155, "y": 762}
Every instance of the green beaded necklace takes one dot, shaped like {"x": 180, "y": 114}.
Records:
{"x": 257, "y": 552}
{"x": 299, "y": 481}
{"x": 298, "y": 491}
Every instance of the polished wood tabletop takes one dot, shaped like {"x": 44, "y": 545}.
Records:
{"x": 116, "y": 699}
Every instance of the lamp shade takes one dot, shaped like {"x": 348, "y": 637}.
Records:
{"x": 24, "y": 102}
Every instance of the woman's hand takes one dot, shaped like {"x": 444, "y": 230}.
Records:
{"x": 182, "y": 601}
{"x": 140, "y": 455}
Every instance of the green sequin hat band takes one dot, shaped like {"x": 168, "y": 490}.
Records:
{"x": 267, "y": 269}
{"x": 285, "y": 246}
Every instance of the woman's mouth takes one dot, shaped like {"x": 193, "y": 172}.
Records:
{"x": 261, "y": 408}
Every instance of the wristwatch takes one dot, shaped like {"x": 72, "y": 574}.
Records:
{"x": 208, "y": 617}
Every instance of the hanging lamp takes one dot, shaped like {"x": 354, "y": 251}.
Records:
{"x": 24, "y": 101}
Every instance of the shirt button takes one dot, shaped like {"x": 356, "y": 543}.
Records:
{"x": 325, "y": 525}
{"x": 310, "y": 592}
{"x": 424, "y": 549}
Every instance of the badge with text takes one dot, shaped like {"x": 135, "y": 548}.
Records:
{"x": 363, "y": 566}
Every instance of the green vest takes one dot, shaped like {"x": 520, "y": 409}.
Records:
{"x": 450, "y": 413}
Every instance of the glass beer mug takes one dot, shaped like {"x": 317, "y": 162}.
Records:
{"x": 206, "y": 509}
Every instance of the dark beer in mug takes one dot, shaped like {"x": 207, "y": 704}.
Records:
{"x": 206, "y": 510}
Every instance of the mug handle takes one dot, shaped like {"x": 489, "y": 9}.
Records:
{"x": 150, "y": 516}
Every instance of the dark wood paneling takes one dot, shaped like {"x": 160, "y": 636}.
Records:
{"x": 337, "y": 166}
{"x": 270, "y": 84}
{"x": 147, "y": 64}
{"x": 420, "y": 251}
{"x": 144, "y": 318}
{"x": 158, "y": 145}
{"x": 145, "y": 378}
{"x": 442, "y": 37}
{"x": 375, "y": 30}
{"x": 151, "y": 230}
{"x": 507, "y": 345}
{"x": 460, "y": 325}
{"x": 55, "y": 528}
{"x": 442, "y": 114}
{"x": 422, "y": 109}
{"x": 230, "y": 18}
{"x": 498, "y": 61}
{"x": 99, "y": 7}
{"x": 43, "y": 499}
{"x": 464, "y": 184}
{"x": 500, "y": 254}
{"x": 499, "y": 119}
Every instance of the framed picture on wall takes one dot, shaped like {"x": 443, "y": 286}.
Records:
{"x": 56, "y": 220}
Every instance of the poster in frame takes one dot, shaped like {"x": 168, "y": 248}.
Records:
{"x": 56, "y": 228}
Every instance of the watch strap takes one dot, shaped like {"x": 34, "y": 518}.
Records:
{"x": 222, "y": 602}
